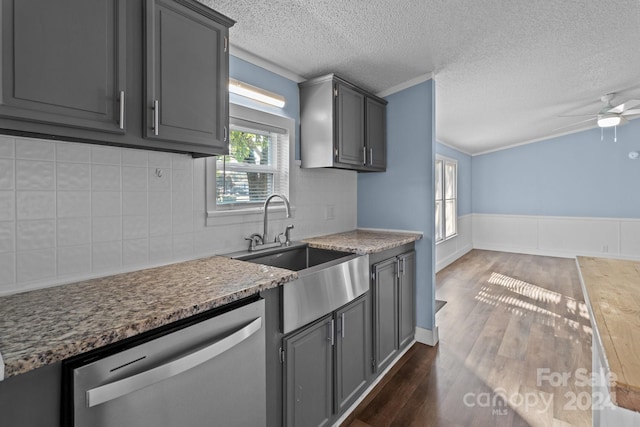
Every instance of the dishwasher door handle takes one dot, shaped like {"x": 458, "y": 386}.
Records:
{"x": 110, "y": 391}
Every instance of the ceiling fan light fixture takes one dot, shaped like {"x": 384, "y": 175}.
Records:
{"x": 610, "y": 120}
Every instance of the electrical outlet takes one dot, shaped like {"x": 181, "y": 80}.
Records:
{"x": 605, "y": 248}
{"x": 329, "y": 212}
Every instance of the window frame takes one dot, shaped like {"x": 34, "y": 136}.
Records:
{"x": 241, "y": 211}
{"x": 444, "y": 199}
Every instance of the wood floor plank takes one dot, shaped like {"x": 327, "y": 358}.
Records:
{"x": 507, "y": 316}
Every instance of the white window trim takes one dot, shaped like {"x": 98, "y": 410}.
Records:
{"x": 455, "y": 161}
{"x": 252, "y": 213}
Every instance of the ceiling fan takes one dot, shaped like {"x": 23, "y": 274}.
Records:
{"x": 612, "y": 115}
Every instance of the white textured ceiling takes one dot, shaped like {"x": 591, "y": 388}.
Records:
{"x": 504, "y": 69}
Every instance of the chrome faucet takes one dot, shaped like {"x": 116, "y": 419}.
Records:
{"x": 287, "y": 208}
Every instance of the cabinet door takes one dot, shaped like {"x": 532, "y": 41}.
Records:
{"x": 376, "y": 133}
{"x": 349, "y": 125}
{"x": 187, "y": 76}
{"x": 64, "y": 65}
{"x": 385, "y": 312}
{"x": 309, "y": 375}
{"x": 353, "y": 351}
{"x": 406, "y": 289}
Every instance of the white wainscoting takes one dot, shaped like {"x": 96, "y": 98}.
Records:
{"x": 452, "y": 249}
{"x": 557, "y": 236}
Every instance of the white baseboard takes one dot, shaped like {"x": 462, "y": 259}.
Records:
{"x": 427, "y": 336}
{"x": 442, "y": 263}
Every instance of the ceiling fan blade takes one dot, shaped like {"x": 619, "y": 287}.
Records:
{"x": 578, "y": 115}
{"x": 628, "y": 113}
{"x": 620, "y": 108}
{"x": 573, "y": 124}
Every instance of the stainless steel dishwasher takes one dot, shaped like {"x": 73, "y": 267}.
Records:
{"x": 209, "y": 373}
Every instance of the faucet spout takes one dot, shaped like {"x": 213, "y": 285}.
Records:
{"x": 287, "y": 209}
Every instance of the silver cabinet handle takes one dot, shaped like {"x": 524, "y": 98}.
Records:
{"x": 226, "y": 134}
{"x": 370, "y": 156}
{"x": 342, "y": 323}
{"x": 107, "y": 392}
{"x": 331, "y": 330}
{"x": 364, "y": 154}
{"x": 156, "y": 116}
{"x": 121, "y": 109}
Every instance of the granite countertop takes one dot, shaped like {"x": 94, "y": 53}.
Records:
{"x": 612, "y": 291}
{"x": 363, "y": 241}
{"x": 48, "y": 325}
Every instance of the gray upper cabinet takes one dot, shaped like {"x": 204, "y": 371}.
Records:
{"x": 92, "y": 71}
{"x": 65, "y": 65}
{"x": 342, "y": 126}
{"x": 187, "y": 74}
{"x": 350, "y": 125}
{"x": 376, "y": 144}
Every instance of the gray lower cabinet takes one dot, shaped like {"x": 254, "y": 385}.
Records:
{"x": 65, "y": 65}
{"x": 353, "y": 356}
{"x": 309, "y": 375}
{"x": 327, "y": 365}
{"x": 187, "y": 74}
{"x": 393, "y": 284}
{"x": 342, "y": 126}
{"x": 406, "y": 298}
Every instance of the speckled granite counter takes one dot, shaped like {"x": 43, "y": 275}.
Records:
{"x": 48, "y": 325}
{"x": 363, "y": 241}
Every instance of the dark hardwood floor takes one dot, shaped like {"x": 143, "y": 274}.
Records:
{"x": 514, "y": 350}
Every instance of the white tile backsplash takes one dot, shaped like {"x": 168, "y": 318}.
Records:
{"x": 34, "y": 175}
{"x": 6, "y": 174}
{"x": 6, "y": 146}
{"x": 36, "y": 265}
{"x": 38, "y": 234}
{"x": 69, "y": 211}
{"x": 73, "y": 153}
{"x": 7, "y": 205}
{"x": 105, "y": 178}
{"x": 35, "y": 149}
{"x": 7, "y": 234}
{"x": 74, "y": 260}
{"x": 8, "y": 269}
{"x": 73, "y": 231}
{"x": 73, "y": 176}
{"x": 36, "y": 204}
{"x": 73, "y": 204}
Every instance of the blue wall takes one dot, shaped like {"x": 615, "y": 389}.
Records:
{"x": 572, "y": 175}
{"x": 402, "y": 197}
{"x": 464, "y": 176}
{"x": 257, "y": 76}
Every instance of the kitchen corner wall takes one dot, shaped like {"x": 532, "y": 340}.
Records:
{"x": 71, "y": 211}
{"x": 402, "y": 197}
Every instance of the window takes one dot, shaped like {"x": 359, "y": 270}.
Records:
{"x": 446, "y": 195}
{"x": 257, "y": 164}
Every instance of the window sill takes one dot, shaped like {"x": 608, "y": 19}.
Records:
{"x": 447, "y": 239}
{"x": 245, "y": 215}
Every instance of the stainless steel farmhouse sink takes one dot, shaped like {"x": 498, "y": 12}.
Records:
{"x": 327, "y": 280}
